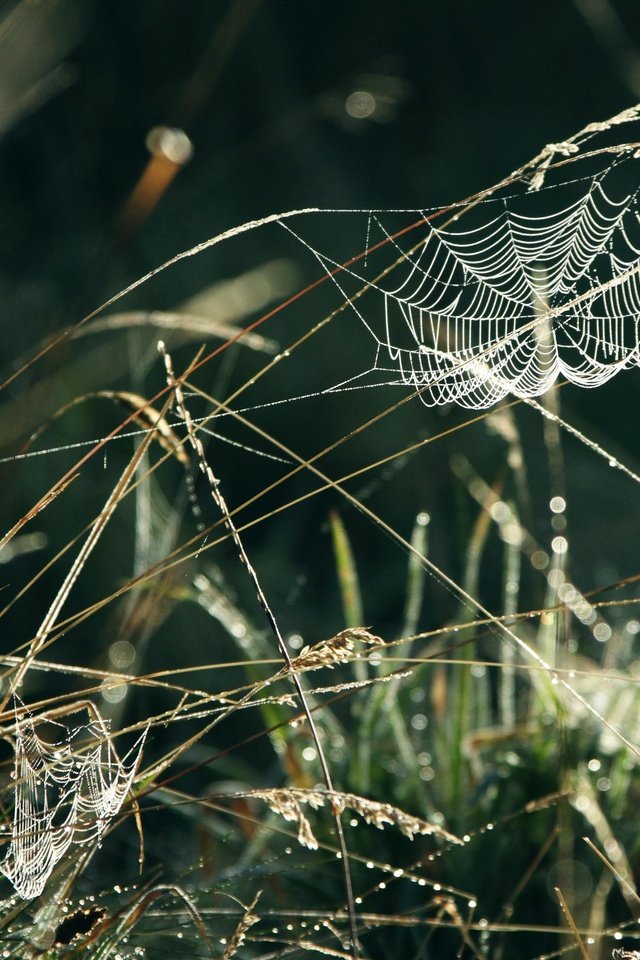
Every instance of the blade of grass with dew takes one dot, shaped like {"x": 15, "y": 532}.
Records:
{"x": 510, "y": 593}
{"x": 382, "y": 709}
{"x": 348, "y": 581}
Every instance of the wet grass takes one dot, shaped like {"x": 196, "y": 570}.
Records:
{"x": 381, "y": 655}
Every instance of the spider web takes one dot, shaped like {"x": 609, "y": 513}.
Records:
{"x": 65, "y": 793}
{"x": 502, "y": 298}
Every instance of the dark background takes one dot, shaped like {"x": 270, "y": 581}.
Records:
{"x": 462, "y": 94}
{"x": 466, "y": 93}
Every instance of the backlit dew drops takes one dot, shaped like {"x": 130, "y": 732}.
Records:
{"x": 559, "y": 545}
{"x": 500, "y": 512}
{"x": 539, "y": 559}
{"x": 554, "y": 578}
{"x": 602, "y": 632}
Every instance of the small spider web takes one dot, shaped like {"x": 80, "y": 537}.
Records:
{"x": 503, "y": 298}
{"x": 65, "y": 793}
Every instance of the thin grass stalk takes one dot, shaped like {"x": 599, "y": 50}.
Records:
{"x": 510, "y": 593}
{"x": 87, "y": 548}
{"x": 386, "y": 700}
{"x": 349, "y": 583}
{"x": 415, "y": 577}
{"x": 214, "y": 486}
{"x": 465, "y": 702}
{"x": 383, "y": 704}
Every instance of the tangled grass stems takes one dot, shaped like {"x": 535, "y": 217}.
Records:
{"x": 460, "y": 645}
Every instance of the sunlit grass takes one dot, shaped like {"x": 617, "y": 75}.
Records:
{"x": 394, "y": 735}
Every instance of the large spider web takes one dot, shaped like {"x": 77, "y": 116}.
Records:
{"x": 65, "y": 793}
{"x": 502, "y": 298}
